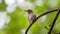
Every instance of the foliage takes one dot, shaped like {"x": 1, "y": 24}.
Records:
{"x": 18, "y": 19}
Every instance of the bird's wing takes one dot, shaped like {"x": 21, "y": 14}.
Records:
{"x": 33, "y": 17}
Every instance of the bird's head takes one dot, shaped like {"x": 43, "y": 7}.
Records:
{"x": 29, "y": 11}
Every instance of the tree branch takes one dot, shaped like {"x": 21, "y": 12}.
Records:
{"x": 54, "y": 21}
{"x": 38, "y": 18}
{"x": 52, "y": 31}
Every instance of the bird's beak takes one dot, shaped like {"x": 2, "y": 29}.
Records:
{"x": 25, "y": 10}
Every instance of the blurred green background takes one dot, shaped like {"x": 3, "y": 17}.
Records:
{"x": 13, "y": 18}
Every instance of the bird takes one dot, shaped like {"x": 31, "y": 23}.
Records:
{"x": 31, "y": 15}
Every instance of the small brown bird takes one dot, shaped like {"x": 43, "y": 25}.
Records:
{"x": 31, "y": 15}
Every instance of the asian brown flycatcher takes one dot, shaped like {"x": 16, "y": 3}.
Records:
{"x": 31, "y": 15}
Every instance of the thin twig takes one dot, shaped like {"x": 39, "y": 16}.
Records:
{"x": 46, "y": 27}
{"x": 53, "y": 23}
{"x": 38, "y": 18}
{"x": 52, "y": 31}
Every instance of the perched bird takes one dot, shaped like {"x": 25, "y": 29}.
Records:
{"x": 31, "y": 15}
